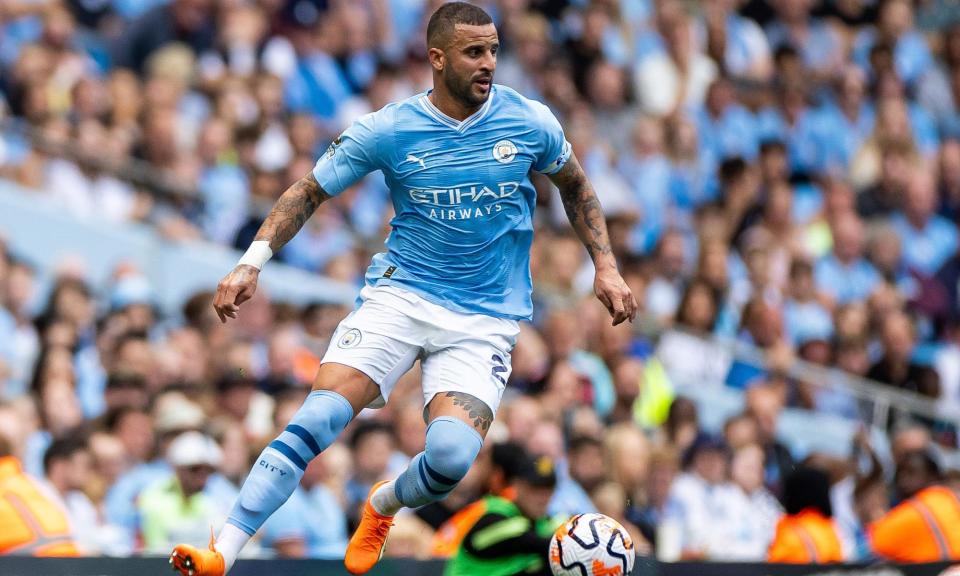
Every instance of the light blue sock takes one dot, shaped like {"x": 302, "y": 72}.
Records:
{"x": 451, "y": 447}
{"x": 278, "y": 470}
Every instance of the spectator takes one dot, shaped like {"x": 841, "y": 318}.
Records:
{"x": 697, "y": 494}
{"x": 41, "y": 508}
{"x": 817, "y": 42}
{"x": 68, "y": 466}
{"x": 678, "y": 77}
{"x": 748, "y": 514}
{"x": 176, "y": 507}
{"x": 764, "y": 405}
{"x": 896, "y": 367}
{"x": 920, "y": 528}
{"x": 844, "y": 275}
{"x": 928, "y": 239}
{"x": 515, "y": 550}
{"x": 187, "y": 21}
{"x": 371, "y": 445}
{"x": 806, "y": 534}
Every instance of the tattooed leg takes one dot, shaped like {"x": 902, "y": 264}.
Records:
{"x": 462, "y": 406}
{"x": 477, "y": 411}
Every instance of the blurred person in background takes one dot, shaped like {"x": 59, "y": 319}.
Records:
{"x": 511, "y": 537}
{"x": 177, "y": 507}
{"x": 925, "y": 526}
{"x": 806, "y": 534}
{"x": 69, "y": 467}
{"x": 928, "y": 239}
{"x": 844, "y": 276}
{"x": 39, "y": 525}
{"x": 748, "y": 514}
{"x": 697, "y": 495}
{"x": 371, "y": 445}
{"x": 627, "y": 461}
{"x": 546, "y": 438}
{"x": 897, "y": 367}
{"x": 649, "y": 514}
{"x": 764, "y": 405}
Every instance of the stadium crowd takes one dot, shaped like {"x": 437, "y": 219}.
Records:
{"x": 782, "y": 172}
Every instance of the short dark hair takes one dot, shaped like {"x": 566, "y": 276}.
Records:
{"x": 509, "y": 458}
{"x": 367, "y": 428}
{"x": 444, "y": 21}
{"x": 732, "y": 169}
{"x": 63, "y": 449}
{"x": 807, "y": 487}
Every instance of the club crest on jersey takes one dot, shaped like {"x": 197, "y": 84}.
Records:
{"x": 350, "y": 339}
{"x": 333, "y": 147}
{"x": 504, "y": 151}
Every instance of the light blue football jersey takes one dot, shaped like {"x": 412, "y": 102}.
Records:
{"x": 461, "y": 194}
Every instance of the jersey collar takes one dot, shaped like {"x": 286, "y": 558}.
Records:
{"x": 458, "y": 125}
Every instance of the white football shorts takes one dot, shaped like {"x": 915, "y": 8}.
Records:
{"x": 458, "y": 352}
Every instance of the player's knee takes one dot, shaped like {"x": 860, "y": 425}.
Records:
{"x": 318, "y": 422}
{"x": 451, "y": 447}
{"x": 324, "y": 414}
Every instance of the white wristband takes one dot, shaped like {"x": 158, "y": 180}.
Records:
{"x": 257, "y": 254}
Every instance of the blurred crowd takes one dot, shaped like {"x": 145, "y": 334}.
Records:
{"x": 781, "y": 172}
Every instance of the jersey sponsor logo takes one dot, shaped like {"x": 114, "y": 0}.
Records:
{"x": 463, "y": 201}
{"x": 389, "y": 272}
{"x": 350, "y": 339}
{"x": 504, "y": 151}
{"x": 463, "y": 193}
{"x": 417, "y": 160}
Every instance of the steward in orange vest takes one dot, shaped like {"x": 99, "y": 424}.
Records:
{"x": 925, "y": 526}
{"x": 32, "y": 521}
{"x": 806, "y": 534}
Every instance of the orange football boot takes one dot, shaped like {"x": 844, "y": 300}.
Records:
{"x": 366, "y": 545}
{"x": 190, "y": 561}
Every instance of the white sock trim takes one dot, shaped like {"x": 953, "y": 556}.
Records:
{"x": 229, "y": 543}
{"x": 384, "y": 501}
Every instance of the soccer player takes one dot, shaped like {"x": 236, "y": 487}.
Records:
{"x": 449, "y": 289}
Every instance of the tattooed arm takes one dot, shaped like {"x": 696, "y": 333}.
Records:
{"x": 586, "y": 216}
{"x": 288, "y": 215}
{"x": 291, "y": 211}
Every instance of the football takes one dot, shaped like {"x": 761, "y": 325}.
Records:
{"x": 591, "y": 545}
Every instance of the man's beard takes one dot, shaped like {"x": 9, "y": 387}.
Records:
{"x": 461, "y": 89}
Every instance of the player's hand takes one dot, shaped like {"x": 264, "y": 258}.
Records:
{"x": 613, "y": 291}
{"x": 236, "y": 288}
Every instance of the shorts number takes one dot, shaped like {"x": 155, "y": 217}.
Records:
{"x": 498, "y": 368}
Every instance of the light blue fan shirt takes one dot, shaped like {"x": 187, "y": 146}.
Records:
{"x": 461, "y": 194}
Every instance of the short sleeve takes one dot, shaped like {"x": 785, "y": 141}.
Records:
{"x": 351, "y": 156}
{"x": 555, "y": 150}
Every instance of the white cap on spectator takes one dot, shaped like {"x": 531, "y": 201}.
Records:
{"x": 178, "y": 413}
{"x": 194, "y": 449}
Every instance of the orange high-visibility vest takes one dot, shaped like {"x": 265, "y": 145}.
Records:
{"x": 925, "y": 528}
{"x": 805, "y": 538}
{"x": 447, "y": 538}
{"x": 31, "y": 522}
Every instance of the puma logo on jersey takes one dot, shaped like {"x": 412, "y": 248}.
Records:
{"x": 412, "y": 158}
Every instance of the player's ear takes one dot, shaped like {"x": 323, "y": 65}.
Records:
{"x": 437, "y": 58}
